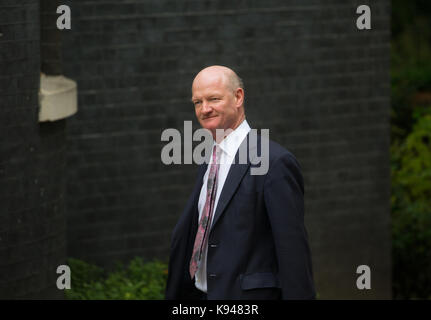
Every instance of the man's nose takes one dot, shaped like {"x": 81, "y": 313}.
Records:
{"x": 206, "y": 108}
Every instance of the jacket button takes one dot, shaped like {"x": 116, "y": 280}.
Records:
{"x": 213, "y": 245}
{"x": 212, "y": 276}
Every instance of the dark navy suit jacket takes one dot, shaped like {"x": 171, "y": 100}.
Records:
{"x": 258, "y": 246}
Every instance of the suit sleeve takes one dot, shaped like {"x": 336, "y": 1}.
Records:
{"x": 284, "y": 200}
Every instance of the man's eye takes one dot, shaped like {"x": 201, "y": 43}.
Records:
{"x": 214, "y": 99}
{"x": 196, "y": 102}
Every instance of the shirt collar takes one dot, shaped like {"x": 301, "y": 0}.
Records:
{"x": 231, "y": 143}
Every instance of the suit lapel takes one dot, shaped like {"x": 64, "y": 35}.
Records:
{"x": 233, "y": 179}
{"x": 187, "y": 223}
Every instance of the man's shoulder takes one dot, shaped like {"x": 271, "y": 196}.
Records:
{"x": 277, "y": 151}
{"x": 277, "y": 156}
{"x": 282, "y": 162}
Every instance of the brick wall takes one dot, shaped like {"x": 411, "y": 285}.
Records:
{"x": 32, "y": 212}
{"x": 50, "y": 36}
{"x": 320, "y": 85}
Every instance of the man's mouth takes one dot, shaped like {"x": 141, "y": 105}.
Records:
{"x": 209, "y": 117}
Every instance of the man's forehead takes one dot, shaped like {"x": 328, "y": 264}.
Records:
{"x": 207, "y": 91}
{"x": 210, "y": 79}
{"x": 208, "y": 87}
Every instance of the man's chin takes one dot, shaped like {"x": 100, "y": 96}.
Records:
{"x": 210, "y": 123}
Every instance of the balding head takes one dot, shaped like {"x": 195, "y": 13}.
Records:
{"x": 230, "y": 78}
{"x": 218, "y": 97}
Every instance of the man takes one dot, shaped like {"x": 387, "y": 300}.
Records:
{"x": 241, "y": 236}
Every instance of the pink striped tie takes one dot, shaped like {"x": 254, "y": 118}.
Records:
{"x": 205, "y": 221}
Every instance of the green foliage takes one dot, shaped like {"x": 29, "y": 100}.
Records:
{"x": 405, "y": 83}
{"x": 139, "y": 280}
{"x": 411, "y": 148}
{"x": 410, "y": 61}
{"x": 411, "y": 211}
{"x": 406, "y": 13}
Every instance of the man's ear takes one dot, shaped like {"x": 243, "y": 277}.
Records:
{"x": 239, "y": 96}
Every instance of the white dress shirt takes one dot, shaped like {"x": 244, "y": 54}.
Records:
{"x": 228, "y": 148}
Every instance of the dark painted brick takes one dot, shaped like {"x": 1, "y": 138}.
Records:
{"x": 32, "y": 157}
{"x": 325, "y": 83}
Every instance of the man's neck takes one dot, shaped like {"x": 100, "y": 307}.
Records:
{"x": 225, "y": 132}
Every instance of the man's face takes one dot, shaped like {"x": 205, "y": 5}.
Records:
{"x": 216, "y": 104}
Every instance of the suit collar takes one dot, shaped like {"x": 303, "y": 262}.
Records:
{"x": 231, "y": 143}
